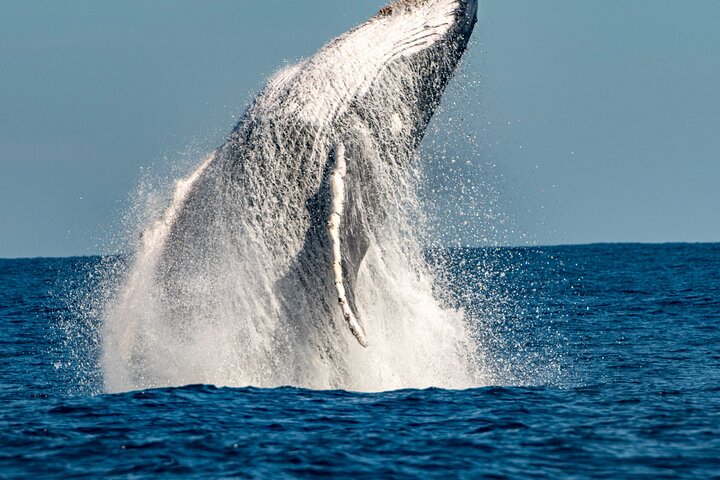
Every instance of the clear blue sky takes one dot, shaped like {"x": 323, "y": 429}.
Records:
{"x": 601, "y": 118}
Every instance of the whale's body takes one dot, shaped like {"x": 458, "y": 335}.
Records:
{"x": 249, "y": 228}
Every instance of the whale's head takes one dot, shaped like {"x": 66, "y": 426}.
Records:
{"x": 400, "y": 61}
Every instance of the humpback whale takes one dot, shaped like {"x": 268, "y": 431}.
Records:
{"x": 276, "y": 224}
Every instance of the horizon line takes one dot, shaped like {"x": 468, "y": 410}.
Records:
{"x": 527, "y": 246}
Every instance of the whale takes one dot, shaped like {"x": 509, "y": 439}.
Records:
{"x": 278, "y": 222}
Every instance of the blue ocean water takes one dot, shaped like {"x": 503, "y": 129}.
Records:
{"x": 606, "y": 361}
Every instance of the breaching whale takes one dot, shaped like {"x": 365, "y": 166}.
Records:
{"x": 276, "y": 223}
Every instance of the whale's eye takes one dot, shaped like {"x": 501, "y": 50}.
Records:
{"x": 400, "y": 5}
{"x": 385, "y": 11}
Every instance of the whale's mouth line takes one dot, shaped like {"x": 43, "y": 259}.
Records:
{"x": 413, "y": 42}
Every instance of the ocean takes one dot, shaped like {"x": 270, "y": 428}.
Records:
{"x": 600, "y": 361}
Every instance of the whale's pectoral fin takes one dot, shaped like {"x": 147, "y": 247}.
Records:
{"x": 337, "y": 207}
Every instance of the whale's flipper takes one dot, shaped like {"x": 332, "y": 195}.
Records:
{"x": 337, "y": 207}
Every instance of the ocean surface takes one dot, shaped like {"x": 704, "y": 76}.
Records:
{"x": 604, "y": 361}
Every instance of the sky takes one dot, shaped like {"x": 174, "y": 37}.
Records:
{"x": 590, "y": 121}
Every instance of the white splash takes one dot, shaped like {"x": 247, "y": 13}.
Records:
{"x": 119, "y": 336}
